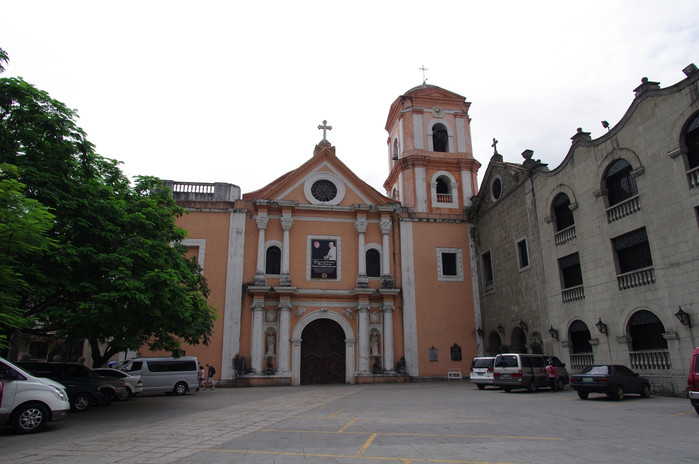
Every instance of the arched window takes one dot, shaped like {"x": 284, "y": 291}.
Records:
{"x": 692, "y": 142}
{"x": 621, "y": 185}
{"x": 440, "y": 138}
{"x": 562, "y": 212}
{"x": 443, "y": 186}
{"x": 373, "y": 263}
{"x": 646, "y": 332}
{"x": 273, "y": 262}
{"x": 579, "y": 337}
{"x": 395, "y": 150}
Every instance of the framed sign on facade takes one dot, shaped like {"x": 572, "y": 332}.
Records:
{"x": 324, "y": 258}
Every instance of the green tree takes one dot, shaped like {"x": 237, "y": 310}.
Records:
{"x": 117, "y": 274}
{"x": 24, "y": 224}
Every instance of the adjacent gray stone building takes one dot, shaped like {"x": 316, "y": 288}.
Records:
{"x": 597, "y": 260}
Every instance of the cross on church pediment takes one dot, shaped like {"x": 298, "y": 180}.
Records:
{"x": 325, "y": 127}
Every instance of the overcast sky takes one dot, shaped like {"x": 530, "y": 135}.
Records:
{"x": 216, "y": 91}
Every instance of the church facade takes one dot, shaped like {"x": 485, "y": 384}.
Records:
{"x": 319, "y": 278}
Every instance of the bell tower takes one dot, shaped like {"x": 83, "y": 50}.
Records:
{"x": 430, "y": 158}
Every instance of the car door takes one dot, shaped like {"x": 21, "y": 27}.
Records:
{"x": 629, "y": 380}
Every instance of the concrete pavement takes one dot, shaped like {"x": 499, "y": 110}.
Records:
{"x": 404, "y": 423}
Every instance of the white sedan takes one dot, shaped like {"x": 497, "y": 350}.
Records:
{"x": 134, "y": 384}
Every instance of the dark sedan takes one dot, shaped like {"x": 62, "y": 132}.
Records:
{"x": 612, "y": 379}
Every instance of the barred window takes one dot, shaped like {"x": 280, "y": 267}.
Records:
{"x": 633, "y": 251}
{"x": 561, "y": 209}
{"x": 621, "y": 185}
{"x": 571, "y": 275}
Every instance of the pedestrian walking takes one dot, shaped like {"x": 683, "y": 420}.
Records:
{"x": 212, "y": 372}
{"x": 202, "y": 378}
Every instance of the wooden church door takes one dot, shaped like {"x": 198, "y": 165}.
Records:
{"x": 322, "y": 353}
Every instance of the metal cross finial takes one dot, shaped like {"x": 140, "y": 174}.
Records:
{"x": 495, "y": 146}
{"x": 325, "y": 127}
{"x": 423, "y": 69}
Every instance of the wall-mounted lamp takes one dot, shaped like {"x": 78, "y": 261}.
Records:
{"x": 501, "y": 329}
{"x": 553, "y": 332}
{"x": 523, "y": 325}
{"x": 479, "y": 331}
{"x": 683, "y": 317}
{"x": 601, "y": 326}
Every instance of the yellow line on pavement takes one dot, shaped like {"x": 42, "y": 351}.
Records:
{"x": 680, "y": 414}
{"x": 400, "y": 434}
{"x": 347, "y": 456}
{"x": 336, "y": 412}
{"x": 366, "y": 445}
{"x": 347, "y": 425}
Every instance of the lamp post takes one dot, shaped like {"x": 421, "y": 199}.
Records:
{"x": 501, "y": 329}
{"x": 683, "y": 317}
{"x": 601, "y": 326}
{"x": 553, "y": 332}
{"x": 523, "y": 325}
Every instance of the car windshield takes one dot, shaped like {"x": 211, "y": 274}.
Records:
{"x": 596, "y": 370}
{"x": 482, "y": 363}
{"x": 506, "y": 361}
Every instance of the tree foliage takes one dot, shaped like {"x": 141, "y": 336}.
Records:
{"x": 116, "y": 273}
{"x": 23, "y": 237}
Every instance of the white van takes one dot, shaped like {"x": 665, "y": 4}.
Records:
{"x": 28, "y": 403}
{"x": 167, "y": 375}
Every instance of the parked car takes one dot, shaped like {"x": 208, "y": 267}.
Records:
{"x": 83, "y": 385}
{"x": 481, "y": 373}
{"x": 614, "y": 380}
{"x": 519, "y": 370}
{"x": 693, "y": 380}
{"x": 167, "y": 375}
{"x": 112, "y": 389}
{"x": 28, "y": 403}
{"x": 133, "y": 385}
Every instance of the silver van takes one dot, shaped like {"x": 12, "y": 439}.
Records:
{"x": 518, "y": 370}
{"x": 167, "y": 375}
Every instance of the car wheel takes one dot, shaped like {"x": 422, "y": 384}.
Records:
{"x": 696, "y": 408}
{"x": 81, "y": 402}
{"x": 532, "y": 387}
{"x": 30, "y": 418}
{"x": 180, "y": 388}
{"x": 619, "y": 393}
{"x": 124, "y": 394}
{"x": 583, "y": 395}
{"x": 107, "y": 397}
{"x": 507, "y": 389}
{"x": 560, "y": 385}
{"x": 481, "y": 387}
{"x": 645, "y": 391}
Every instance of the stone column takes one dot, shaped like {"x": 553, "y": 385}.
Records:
{"x": 363, "y": 337}
{"x": 388, "y": 362}
{"x": 283, "y": 342}
{"x": 360, "y": 225}
{"x": 287, "y": 222}
{"x": 296, "y": 361}
{"x": 257, "y": 339}
{"x": 262, "y": 221}
{"x": 386, "y": 278}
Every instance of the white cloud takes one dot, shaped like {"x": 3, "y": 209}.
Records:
{"x": 215, "y": 92}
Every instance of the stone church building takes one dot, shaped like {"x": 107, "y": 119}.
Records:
{"x": 319, "y": 278}
{"x": 596, "y": 261}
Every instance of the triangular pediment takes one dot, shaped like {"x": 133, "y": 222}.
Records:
{"x": 323, "y": 180}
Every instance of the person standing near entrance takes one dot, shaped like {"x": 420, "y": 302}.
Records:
{"x": 552, "y": 373}
{"x": 211, "y": 374}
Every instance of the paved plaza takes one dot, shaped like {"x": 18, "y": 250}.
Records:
{"x": 436, "y": 422}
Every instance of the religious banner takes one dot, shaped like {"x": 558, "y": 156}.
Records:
{"x": 323, "y": 259}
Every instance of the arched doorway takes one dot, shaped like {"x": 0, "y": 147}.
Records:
{"x": 322, "y": 353}
{"x": 519, "y": 341}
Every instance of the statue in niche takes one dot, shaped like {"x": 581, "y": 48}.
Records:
{"x": 401, "y": 367}
{"x": 374, "y": 342}
{"x": 270, "y": 343}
